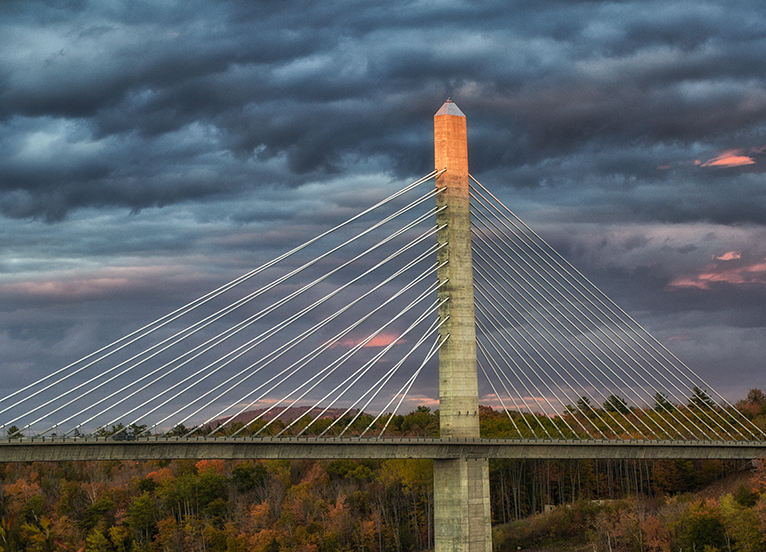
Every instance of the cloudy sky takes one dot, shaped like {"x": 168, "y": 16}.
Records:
{"x": 150, "y": 151}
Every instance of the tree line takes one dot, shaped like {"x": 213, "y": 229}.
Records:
{"x": 365, "y": 505}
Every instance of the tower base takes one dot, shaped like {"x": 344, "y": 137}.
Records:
{"x": 462, "y": 518}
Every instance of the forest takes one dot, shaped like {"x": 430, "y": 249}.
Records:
{"x": 371, "y": 505}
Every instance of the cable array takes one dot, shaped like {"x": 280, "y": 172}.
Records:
{"x": 263, "y": 353}
{"x": 331, "y": 337}
{"x": 564, "y": 361}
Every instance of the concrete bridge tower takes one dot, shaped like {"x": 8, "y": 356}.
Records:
{"x": 462, "y": 519}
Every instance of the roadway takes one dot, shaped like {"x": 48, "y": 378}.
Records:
{"x": 155, "y": 448}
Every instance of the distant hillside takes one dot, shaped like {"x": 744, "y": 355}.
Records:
{"x": 283, "y": 414}
{"x": 725, "y": 514}
{"x": 731, "y": 483}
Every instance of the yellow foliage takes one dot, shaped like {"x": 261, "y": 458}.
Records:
{"x": 262, "y": 540}
{"x": 261, "y": 514}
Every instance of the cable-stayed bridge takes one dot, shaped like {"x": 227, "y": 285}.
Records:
{"x": 438, "y": 289}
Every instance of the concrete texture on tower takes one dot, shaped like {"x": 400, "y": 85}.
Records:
{"x": 458, "y": 389}
{"x": 462, "y": 518}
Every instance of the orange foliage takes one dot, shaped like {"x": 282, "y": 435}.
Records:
{"x": 656, "y": 535}
{"x": 760, "y": 514}
{"x": 317, "y": 475}
{"x": 337, "y": 518}
{"x": 162, "y": 475}
{"x": 207, "y": 465}
{"x": 261, "y": 515}
{"x": 22, "y": 490}
{"x": 759, "y": 476}
{"x": 166, "y": 532}
{"x": 368, "y": 529}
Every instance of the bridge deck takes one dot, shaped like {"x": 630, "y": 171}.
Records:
{"x": 153, "y": 448}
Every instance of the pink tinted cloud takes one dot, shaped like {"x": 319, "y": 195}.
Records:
{"x": 493, "y": 401}
{"x": 726, "y": 159}
{"x": 79, "y": 288}
{"x": 666, "y": 166}
{"x": 380, "y": 340}
{"x": 725, "y": 272}
{"x": 536, "y": 404}
{"x": 87, "y": 286}
{"x": 411, "y": 402}
{"x": 729, "y": 256}
{"x": 731, "y": 158}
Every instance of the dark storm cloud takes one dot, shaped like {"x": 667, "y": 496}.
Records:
{"x": 149, "y": 151}
{"x": 157, "y": 104}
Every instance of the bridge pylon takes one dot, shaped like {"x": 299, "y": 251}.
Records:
{"x": 462, "y": 518}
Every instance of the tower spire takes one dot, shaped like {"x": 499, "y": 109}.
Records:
{"x": 458, "y": 388}
{"x": 461, "y": 487}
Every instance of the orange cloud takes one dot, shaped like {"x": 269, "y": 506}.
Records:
{"x": 411, "y": 402}
{"x": 380, "y": 340}
{"x": 688, "y": 283}
{"x": 731, "y": 158}
{"x": 727, "y": 159}
{"x": 729, "y": 256}
{"x": 717, "y": 273}
{"x": 492, "y": 400}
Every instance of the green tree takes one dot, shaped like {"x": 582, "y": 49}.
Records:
{"x": 421, "y": 422}
{"x": 118, "y": 536}
{"x": 142, "y": 515}
{"x": 616, "y": 404}
{"x": 700, "y": 399}
{"x": 756, "y": 396}
{"x": 100, "y": 509}
{"x": 745, "y": 497}
{"x": 178, "y": 431}
{"x": 136, "y": 429}
{"x": 661, "y": 403}
{"x": 41, "y": 538}
{"x": 249, "y": 475}
{"x": 96, "y": 541}
{"x": 107, "y": 431}
{"x": 700, "y": 527}
{"x": 741, "y": 526}
{"x": 583, "y": 404}
{"x": 211, "y": 486}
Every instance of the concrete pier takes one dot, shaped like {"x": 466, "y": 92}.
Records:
{"x": 462, "y": 518}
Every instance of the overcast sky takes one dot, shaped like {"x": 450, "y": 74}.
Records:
{"x": 150, "y": 151}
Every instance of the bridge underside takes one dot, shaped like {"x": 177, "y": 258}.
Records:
{"x": 55, "y": 450}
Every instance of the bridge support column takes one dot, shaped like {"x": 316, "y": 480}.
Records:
{"x": 462, "y": 519}
{"x": 461, "y": 506}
